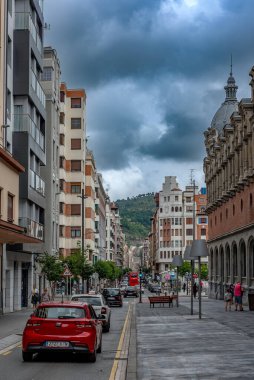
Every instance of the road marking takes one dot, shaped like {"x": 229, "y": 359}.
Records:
{"x": 119, "y": 347}
{"x": 7, "y": 353}
{"x": 7, "y": 349}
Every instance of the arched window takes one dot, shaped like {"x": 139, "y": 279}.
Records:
{"x": 233, "y": 209}
{"x": 243, "y": 259}
{"x": 241, "y": 205}
{"x": 234, "y": 261}
{"x": 251, "y": 202}
{"x": 226, "y": 213}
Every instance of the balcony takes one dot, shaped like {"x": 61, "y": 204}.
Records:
{"x": 37, "y": 183}
{"x": 32, "y": 228}
{"x": 24, "y": 123}
{"x": 23, "y": 21}
{"x": 38, "y": 89}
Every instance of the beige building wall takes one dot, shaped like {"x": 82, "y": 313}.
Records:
{"x": 72, "y": 152}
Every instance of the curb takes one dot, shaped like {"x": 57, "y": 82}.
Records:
{"x": 131, "y": 370}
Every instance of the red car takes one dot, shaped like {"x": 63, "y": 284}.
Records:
{"x": 68, "y": 326}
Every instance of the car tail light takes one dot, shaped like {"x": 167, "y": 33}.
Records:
{"x": 103, "y": 310}
{"x": 32, "y": 324}
{"x": 118, "y": 297}
{"x": 84, "y": 324}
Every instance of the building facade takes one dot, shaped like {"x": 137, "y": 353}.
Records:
{"x": 50, "y": 82}
{"x": 72, "y": 166}
{"x": 229, "y": 168}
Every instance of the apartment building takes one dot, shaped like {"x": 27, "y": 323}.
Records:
{"x": 179, "y": 217}
{"x": 50, "y": 82}
{"x": 115, "y": 237}
{"x": 100, "y": 217}
{"x": 22, "y": 137}
{"x": 72, "y": 167}
{"x": 229, "y": 169}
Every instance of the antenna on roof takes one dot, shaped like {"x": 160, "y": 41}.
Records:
{"x": 231, "y": 65}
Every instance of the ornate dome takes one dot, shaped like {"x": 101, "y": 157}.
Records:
{"x": 229, "y": 106}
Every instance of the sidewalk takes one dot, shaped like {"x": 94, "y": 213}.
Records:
{"x": 172, "y": 344}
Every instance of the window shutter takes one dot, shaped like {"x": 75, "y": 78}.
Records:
{"x": 75, "y": 144}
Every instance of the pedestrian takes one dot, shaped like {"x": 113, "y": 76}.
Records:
{"x": 228, "y": 299}
{"x": 231, "y": 287}
{"x": 35, "y": 299}
{"x": 184, "y": 287}
{"x": 238, "y": 293}
{"x": 45, "y": 296}
{"x": 195, "y": 290}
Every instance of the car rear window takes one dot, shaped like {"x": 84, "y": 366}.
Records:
{"x": 59, "y": 312}
{"x": 95, "y": 301}
{"x": 113, "y": 292}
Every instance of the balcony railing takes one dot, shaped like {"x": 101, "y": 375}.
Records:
{"x": 32, "y": 228}
{"x": 23, "y": 21}
{"x": 38, "y": 89}
{"x": 37, "y": 183}
{"x": 24, "y": 123}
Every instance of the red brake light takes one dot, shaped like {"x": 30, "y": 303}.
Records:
{"x": 83, "y": 324}
{"x": 30, "y": 323}
{"x": 103, "y": 310}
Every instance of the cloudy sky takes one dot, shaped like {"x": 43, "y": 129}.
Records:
{"x": 154, "y": 72}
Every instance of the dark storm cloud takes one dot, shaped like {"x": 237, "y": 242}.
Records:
{"x": 180, "y": 56}
{"x": 182, "y": 140}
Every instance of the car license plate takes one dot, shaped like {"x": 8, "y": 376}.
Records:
{"x": 111, "y": 298}
{"x": 56, "y": 344}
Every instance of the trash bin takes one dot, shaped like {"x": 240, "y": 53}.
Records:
{"x": 251, "y": 301}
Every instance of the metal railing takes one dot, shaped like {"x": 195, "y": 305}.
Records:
{"x": 23, "y": 21}
{"x": 38, "y": 89}
{"x": 36, "y": 182}
{"x": 24, "y": 123}
{"x": 32, "y": 228}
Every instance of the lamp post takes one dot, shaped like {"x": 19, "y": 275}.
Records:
{"x": 177, "y": 262}
{"x": 198, "y": 250}
{"x": 187, "y": 257}
{"x": 140, "y": 286}
{"x": 83, "y": 197}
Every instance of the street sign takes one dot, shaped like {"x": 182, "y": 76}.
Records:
{"x": 67, "y": 272}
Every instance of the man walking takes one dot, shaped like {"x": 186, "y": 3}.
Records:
{"x": 238, "y": 291}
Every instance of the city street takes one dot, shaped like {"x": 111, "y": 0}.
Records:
{"x": 56, "y": 367}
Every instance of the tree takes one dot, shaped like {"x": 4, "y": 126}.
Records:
{"x": 204, "y": 272}
{"x": 79, "y": 266}
{"x": 52, "y": 268}
{"x": 103, "y": 269}
{"x": 186, "y": 267}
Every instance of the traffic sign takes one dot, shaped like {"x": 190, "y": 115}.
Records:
{"x": 67, "y": 272}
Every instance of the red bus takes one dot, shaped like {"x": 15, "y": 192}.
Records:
{"x": 133, "y": 278}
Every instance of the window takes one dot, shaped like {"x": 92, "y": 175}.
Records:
{"x": 76, "y": 209}
{"x": 61, "y": 139}
{"x": 9, "y": 5}
{"x": 61, "y": 231}
{"x": 202, "y": 220}
{"x": 203, "y": 232}
{"x": 161, "y": 210}
{"x": 188, "y": 199}
{"x": 62, "y": 96}
{"x": 62, "y": 118}
{"x": 188, "y": 220}
{"x": 241, "y": 205}
{"x": 75, "y": 123}
{"x": 61, "y": 184}
{"x": 75, "y": 232}
{"x": 10, "y": 208}
{"x": 75, "y": 188}
{"x": 47, "y": 73}
{"x": 251, "y": 202}
{"x": 61, "y": 161}
{"x": 176, "y": 198}
{"x": 61, "y": 207}
{"x": 75, "y": 102}
{"x": 75, "y": 165}
{"x": 189, "y": 232}
{"x": 75, "y": 144}
{"x": 165, "y": 199}
{"x": 226, "y": 213}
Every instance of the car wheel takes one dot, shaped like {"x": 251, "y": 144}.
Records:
{"x": 100, "y": 346}
{"x": 27, "y": 356}
{"x": 107, "y": 327}
{"x": 93, "y": 356}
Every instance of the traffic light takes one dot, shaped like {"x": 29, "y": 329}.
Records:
{"x": 140, "y": 273}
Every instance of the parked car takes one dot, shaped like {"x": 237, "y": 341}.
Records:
{"x": 122, "y": 288}
{"x": 131, "y": 291}
{"x": 100, "y": 306}
{"x": 155, "y": 289}
{"x": 62, "y": 326}
{"x": 113, "y": 296}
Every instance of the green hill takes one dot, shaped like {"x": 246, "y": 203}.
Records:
{"x": 135, "y": 216}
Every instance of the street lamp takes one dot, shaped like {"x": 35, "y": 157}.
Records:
{"x": 140, "y": 285}
{"x": 83, "y": 197}
{"x": 199, "y": 249}
{"x": 187, "y": 256}
{"x": 177, "y": 262}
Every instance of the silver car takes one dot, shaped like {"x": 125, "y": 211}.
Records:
{"x": 99, "y": 304}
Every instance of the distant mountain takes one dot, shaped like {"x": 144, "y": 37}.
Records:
{"x": 135, "y": 216}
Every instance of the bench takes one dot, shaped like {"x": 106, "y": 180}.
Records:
{"x": 161, "y": 300}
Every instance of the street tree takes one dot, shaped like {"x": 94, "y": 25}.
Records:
{"x": 52, "y": 268}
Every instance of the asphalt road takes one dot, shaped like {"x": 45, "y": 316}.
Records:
{"x": 67, "y": 367}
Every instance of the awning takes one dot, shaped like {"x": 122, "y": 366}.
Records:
{"x": 12, "y": 234}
